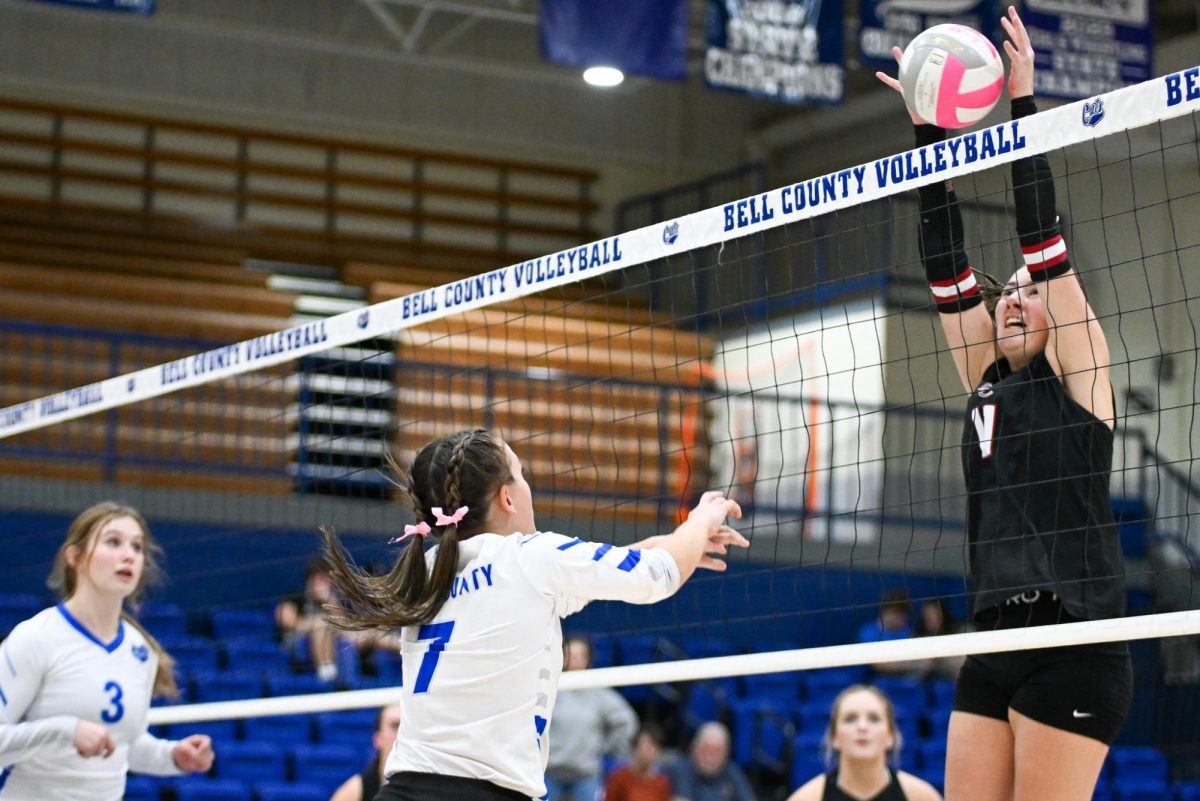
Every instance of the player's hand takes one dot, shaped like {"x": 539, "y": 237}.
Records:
{"x": 92, "y": 739}
{"x": 713, "y": 508}
{"x": 718, "y": 545}
{"x": 193, "y": 754}
{"x": 897, "y": 53}
{"x": 1020, "y": 55}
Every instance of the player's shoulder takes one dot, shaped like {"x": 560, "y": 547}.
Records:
{"x": 916, "y": 788}
{"x": 812, "y": 790}
{"x": 45, "y": 624}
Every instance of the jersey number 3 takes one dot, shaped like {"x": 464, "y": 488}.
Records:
{"x": 115, "y": 710}
{"x": 440, "y": 634}
{"x": 984, "y": 419}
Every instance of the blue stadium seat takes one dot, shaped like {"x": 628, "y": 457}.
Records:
{"x": 932, "y": 755}
{"x": 761, "y": 729}
{"x": 938, "y": 721}
{"x": 195, "y": 789}
{"x": 708, "y": 700}
{"x": 232, "y": 624}
{"x": 192, "y": 653}
{"x": 1103, "y": 792}
{"x": 1187, "y": 791}
{"x": 164, "y": 621}
{"x": 142, "y": 788}
{"x": 1138, "y": 762}
{"x": 907, "y": 694}
{"x": 290, "y": 729}
{"x": 814, "y": 716}
{"x": 941, "y": 693}
{"x": 14, "y": 608}
{"x": 352, "y": 727}
{"x": 225, "y": 685}
{"x": 287, "y": 684}
{"x": 604, "y": 651}
{"x": 252, "y": 762}
{"x": 1141, "y": 790}
{"x": 387, "y": 666}
{"x": 808, "y": 758}
{"x": 824, "y": 685}
{"x": 255, "y": 655}
{"x": 327, "y": 766}
{"x": 221, "y": 731}
{"x": 788, "y": 687}
{"x": 290, "y": 791}
{"x": 705, "y": 647}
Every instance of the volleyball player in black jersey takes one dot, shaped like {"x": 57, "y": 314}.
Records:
{"x": 1037, "y": 452}
{"x": 861, "y": 739}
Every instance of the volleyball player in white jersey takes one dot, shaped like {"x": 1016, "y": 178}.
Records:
{"x": 76, "y": 679}
{"x": 480, "y": 616}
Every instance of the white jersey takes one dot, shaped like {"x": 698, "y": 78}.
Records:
{"x": 53, "y": 672}
{"x": 481, "y": 677}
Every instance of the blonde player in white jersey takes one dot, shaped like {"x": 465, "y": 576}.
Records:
{"x": 76, "y": 679}
{"x": 480, "y": 616}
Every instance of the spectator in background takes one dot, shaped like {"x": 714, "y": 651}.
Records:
{"x": 708, "y": 775}
{"x": 893, "y": 623}
{"x": 641, "y": 779}
{"x": 587, "y": 725}
{"x": 935, "y": 619}
{"x": 365, "y": 785}
{"x": 861, "y": 738}
{"x": 302, "y": 619}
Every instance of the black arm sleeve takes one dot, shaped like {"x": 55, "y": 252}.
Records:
{"x": 1037, "y": 218}
{"x": 943, "y": 253}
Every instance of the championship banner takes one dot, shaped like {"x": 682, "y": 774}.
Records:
{"x": 894, "y": 23}
{"x": 638, "y": 37}
{"x": 1088, "y": 47}
{"x": 127, "y": 6}
{"x": 789, "y": 50}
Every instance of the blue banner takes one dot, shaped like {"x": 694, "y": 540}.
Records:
{"x": 128, "y": 6}
{"x": 894, "y": 23}
{"x": 789, "y": 50}
{"x": 639, "y": 37}
{"x": 1088, "y": 47}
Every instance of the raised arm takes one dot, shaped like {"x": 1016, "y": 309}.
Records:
{"x": 969, "y": 329}
{"x": 1077, "y": 348}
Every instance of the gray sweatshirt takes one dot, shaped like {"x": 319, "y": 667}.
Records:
{"x": 588, "y": 724}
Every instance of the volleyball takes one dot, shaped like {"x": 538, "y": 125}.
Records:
{"x": 951, "y": 75}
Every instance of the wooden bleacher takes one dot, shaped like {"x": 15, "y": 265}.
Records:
{"x": 602, "y": 402}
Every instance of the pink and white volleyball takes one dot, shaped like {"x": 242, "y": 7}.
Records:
{"x": 951, "y": 75}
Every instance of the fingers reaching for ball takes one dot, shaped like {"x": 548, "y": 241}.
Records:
{"x": 1020, "y": 55}
{"x": 894, "y": 83}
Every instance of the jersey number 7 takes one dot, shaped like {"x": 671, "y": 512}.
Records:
{"x": 440, "y": 634}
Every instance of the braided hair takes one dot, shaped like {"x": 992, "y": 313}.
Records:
{"x": 463, "y": 469}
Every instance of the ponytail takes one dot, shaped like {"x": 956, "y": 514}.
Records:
{"x": 464, "y": 469}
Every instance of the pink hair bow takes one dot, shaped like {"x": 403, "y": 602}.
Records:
{"x": 449, "y": 520}
{"x": 419, "y": 530}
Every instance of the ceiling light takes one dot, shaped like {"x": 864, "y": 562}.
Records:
{"x": 603, "y": 76}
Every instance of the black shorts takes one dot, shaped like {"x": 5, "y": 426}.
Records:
{"x": 1085, "y": 689}
{"x": 406, "y": 786}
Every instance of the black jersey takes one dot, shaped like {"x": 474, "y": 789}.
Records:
{"x": 370, "y": 779}
{"x": 1039, "y": 516}
{"x": 891, "y": 792}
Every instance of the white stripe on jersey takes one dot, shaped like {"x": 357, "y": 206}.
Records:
{"x": 480, "y": 679}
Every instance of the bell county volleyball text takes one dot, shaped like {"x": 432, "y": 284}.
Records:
{"x": 971, "y": 148}
{"x": 523, "y": 275}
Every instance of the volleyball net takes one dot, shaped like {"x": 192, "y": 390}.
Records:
{"x": 781, "y": 347}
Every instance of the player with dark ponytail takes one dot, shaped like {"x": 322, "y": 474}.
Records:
{"x": 480, "y": 615}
